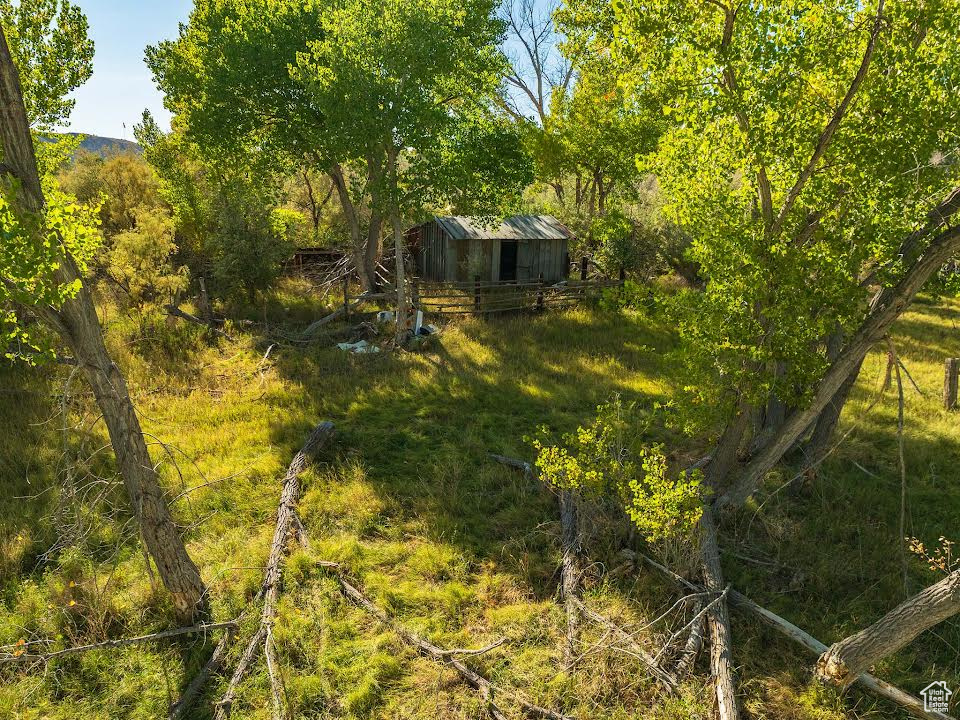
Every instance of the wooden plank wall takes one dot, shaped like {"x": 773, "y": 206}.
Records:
{"x": 443, "y": 258}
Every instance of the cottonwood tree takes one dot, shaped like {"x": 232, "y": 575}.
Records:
{"x": 594, "y": 136}
{"x": 582, "y": 130}
{"x": 230, "y": 228}
{"x": 358, "y": 88}
{"x": 52, "y": 52}
{"x": 46, "y": 241}
{"x": 537, "y": 70}
{"x": 811, "y": 155}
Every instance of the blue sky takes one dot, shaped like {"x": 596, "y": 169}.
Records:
{"x": 121, "y": 86}
{"x": 112, "y": 101}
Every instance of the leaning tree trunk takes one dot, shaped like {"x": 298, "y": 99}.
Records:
{"x": 890, "y": 304}
{"x": 845, "y": 660}
{"x": 817, "y": 445}
{"x": 77, "y": 323}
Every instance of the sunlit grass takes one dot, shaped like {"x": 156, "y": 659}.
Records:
{"x": 458, "y": 548}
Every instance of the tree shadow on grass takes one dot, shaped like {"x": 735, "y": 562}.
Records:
{"x": 27, "y": 406}
{"x": 423, "y": 424}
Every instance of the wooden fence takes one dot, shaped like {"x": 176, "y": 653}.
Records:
{"x": 482, "y": 297}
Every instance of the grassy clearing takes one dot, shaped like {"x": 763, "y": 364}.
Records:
{"x": 460, "y": 549}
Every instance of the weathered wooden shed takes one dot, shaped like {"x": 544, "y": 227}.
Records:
{"x": 518, "y": 248}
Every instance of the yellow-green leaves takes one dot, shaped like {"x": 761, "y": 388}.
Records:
{"x": 607, "y": 457}
{"x": 31, "y": 249}
{"x": 49, "y": 44}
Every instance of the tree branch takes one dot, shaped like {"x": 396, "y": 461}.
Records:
{"x": 828, "y": 132}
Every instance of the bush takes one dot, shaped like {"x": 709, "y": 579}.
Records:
{"x": 140, "y": 261}
{"x": 607, "y": 457}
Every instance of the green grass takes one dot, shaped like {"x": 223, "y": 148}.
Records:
{"x": 458, "y": 548}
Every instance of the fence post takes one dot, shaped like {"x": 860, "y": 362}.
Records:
{"x": 950, "y": 375}
{"x": 346, "y": 296}
{"x": 540, "y": 293}
{"x": 476, "y": 293}
{"x": 584, "y": 264}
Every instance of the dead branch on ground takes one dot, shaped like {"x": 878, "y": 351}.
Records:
{"x": 270, "y": 589}
{"x": 175, "y": 311}
{"x": 665, "y": 679}
{"x": 869, "y": 682}
{"x": 474, "y": 679}
{"x": 24, "y": 657}
{"x": 694, "y": 641}
{"x": 524, "y": 467}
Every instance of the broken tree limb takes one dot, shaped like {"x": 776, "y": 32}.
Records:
{"x": 175, "y": 311}
{"x": 570, "y": 571}
{"x": 270, "y": 589}
{"x": 180, "y": 708}
{"x": 524, "y": 467}
{"x": 718, "y": 621}
{"x": 700, "y": 615}
{"x": 869, "y": 682}
{"x": 665, "y": 679}
{"x": 846, "y": 659}
{"x": 694, "y": 640}
{"x": 314, "y": 328}
{"x": 474, "y": 679}
{"x": 25, "y": 657}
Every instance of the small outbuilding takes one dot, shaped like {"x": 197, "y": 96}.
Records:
{"x": 518, "y": 248}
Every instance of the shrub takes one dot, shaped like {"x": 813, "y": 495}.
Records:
{"x": 603, "y": 458}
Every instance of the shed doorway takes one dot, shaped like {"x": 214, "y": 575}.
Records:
{"x": 508, "y": 260}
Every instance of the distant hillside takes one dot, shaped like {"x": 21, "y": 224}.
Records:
{"x": 104, "y": 145}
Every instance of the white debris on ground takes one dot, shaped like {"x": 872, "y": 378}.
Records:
{"x": 358, "y": 348}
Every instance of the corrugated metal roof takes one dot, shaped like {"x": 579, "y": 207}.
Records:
{"x": 518, "y": 227}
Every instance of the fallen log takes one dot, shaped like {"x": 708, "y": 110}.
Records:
{"x": 524, "y": 467}
{"x": 718, "y": 622}
{"x": 869, "y": 682}
{"x": 846, "y": 659}
{"x": 25, "y": 657}
{"x": 270, "y": 589}
{"x": 313, "y": 328}
{"x": 176, "y": 311}
{"x": 569, "y": 571}
{"x": 474, "y": 679}
{"x": 664, "y": 678}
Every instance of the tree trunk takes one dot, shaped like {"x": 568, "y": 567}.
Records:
{"x": 890, "y": 304}
{"x": 77, "y": 323}
{"x": 818, "y": 444}
{"x": 402, "y": 329}
{"x": 847, "y": 659}
{"x": 371, "y": 252}
{"x": 718, "y": 622}
{"x": 364, "y": 249}
{"x": 724, "y": 456}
